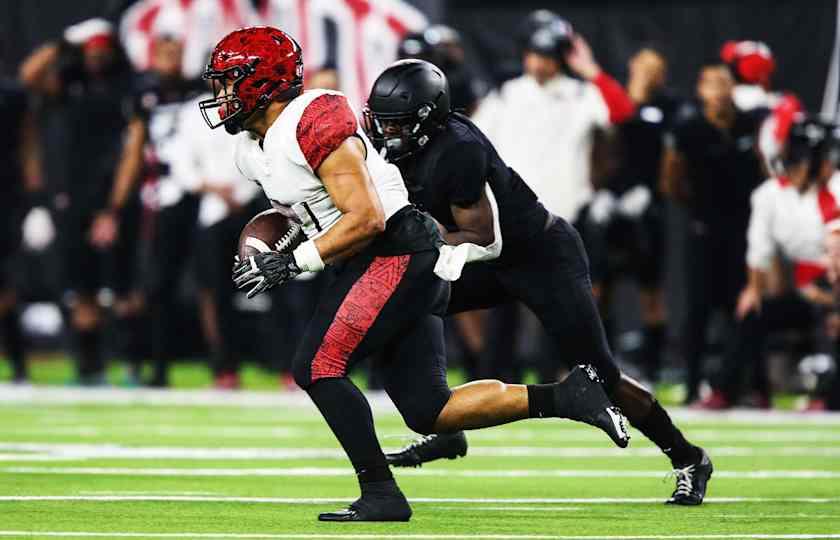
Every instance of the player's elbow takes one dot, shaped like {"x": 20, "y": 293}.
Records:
{"x": 485, "y": 237}
{"x": 373, "y": 224}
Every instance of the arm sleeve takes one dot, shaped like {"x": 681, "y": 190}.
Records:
{"x": 324, "y": 125}
{"x": 760, "y": 244}
{"x": 619, "y": 107}
{"x": 464, "y": 171}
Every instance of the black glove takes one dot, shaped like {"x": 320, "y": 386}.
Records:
{"x": 264, "y": 271}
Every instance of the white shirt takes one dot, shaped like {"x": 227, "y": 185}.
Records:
{"x": 785, "y": 221}
{"x": 753, "y": 96}
{"x": 308, "y": 130}
{"x": 206, "y": 157}
{"x": 545, "y": 133}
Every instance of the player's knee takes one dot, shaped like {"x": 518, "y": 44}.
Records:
{"x": 420, "y": 422}
{"x": 302, "y": 376}
{"x": 422, "y": 415}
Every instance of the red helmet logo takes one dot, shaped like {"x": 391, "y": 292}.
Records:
{"x": 249, "y": 69}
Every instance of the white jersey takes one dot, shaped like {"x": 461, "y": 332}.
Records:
{"x": 308, "y": 130}
{"x": 786, "y": 221}
{"x": 545, "y": 133}
{"x": 206, "y": 157}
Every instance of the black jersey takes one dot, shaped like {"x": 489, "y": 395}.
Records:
{"x": 158, "y": 103}
{"x": 81, "y": 130}
{"x": 453, "y": 170}
{"x": 722, "y": 167}
{"x": 640, "y": 142}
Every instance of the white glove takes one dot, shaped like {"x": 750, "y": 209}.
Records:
{"x": 634, "y": 202}
{"x": 38, "y": 229}
{"x": 78, "y": 33}
{"x": 602, "y": 207}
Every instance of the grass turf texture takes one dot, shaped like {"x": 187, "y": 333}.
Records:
{"x": 284, "y": 454}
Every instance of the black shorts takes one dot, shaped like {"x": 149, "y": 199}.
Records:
{"x": 550, "y": 275}
{"x": 85, "y": 269}
{"x": 626, "y": 246}
{"x": 10, "y": 232}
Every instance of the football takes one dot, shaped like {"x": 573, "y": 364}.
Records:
{"x": 270, "y": 230}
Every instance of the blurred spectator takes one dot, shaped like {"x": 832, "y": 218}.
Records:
{"x": 543, "y": 122}
{"x": 827, "y": 389}
{"x": 788, "y": 214}
{"x": 623, "y": 226}
{"x": 326, "y": 77}
{"x": 15, "y": 143}
{"x": 82, "y": 82}
{"x": 711, "y": 165}
{"x": 442, "y": 46}
{"x": 204, "y": 165}
{"x": 752, "y": 64}
{"x": 152, "y": 146}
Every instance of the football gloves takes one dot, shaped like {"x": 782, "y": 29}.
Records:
{"x": 263, "y": 271}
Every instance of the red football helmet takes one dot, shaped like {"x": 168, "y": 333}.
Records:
{"x": 249, "y": 69}
{"x": 752, "y": 61}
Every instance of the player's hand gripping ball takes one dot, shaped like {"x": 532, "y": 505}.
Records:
{"x": 264, "y": 259}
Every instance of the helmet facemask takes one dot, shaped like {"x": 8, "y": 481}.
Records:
{"x": 225, "y": 108}
{"x": 399, "y": 135}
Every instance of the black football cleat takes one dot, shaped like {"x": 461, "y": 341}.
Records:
{"x": 581, "y": 397}
{"x": 691, "y": 482}
{"x": 382, "y": 501}
{"x": 430, "y": 448}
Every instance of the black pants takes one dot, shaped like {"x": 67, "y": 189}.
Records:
{"x": 215, "y": 248}
{"x": 172, "y": 240}
{"x": 715, "y": 272}
{"x": 746, "y": 351}
{"x": 383, "y": 303}
{"x": 550, "y": 275}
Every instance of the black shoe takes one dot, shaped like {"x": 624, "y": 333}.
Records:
{"x": 581, "y": 397}
{"x": 382, "y": 502}
{"x": 430, "y": 448}
{"x": 691, "y": 482}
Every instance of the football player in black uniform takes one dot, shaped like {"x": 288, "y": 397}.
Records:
{"x": 81, "y": 83}
{"x": 453, "y": 172}
{"x": 13, "y": 114}
{"x": 150, "y": 145}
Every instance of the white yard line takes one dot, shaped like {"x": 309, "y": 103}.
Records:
{"x": 438, "y": 500}
{"x": 427, "y": 472}
{"x": 16, "y": 395}
{"x": 429, "y": 536}
{"x": 226, "y": 432}
{"x": 66, "y": 451}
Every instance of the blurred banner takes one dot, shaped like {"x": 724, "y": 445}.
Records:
{"x": 358, "y": 38}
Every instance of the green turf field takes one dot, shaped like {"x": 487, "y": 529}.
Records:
{"x": 192, "y": 464}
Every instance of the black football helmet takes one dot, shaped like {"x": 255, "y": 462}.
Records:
{"x": 547, "y": 33}
{"x": 438, "y": 44}
{"x": 408, "y": 104}
{"x": 814, "y": 140}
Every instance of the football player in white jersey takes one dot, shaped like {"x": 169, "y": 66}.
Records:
{"x": 312, "y": 159}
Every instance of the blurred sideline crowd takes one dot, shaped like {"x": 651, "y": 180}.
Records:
{"x": 112, "y": 177}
